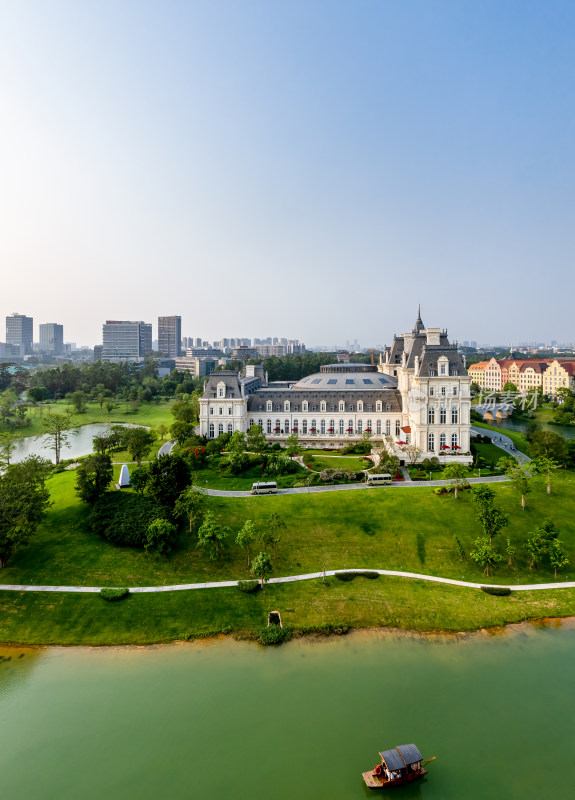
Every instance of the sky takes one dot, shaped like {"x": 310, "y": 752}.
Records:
{"x": 298, "y": 168}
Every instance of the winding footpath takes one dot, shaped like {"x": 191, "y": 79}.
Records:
{"x": 184, "y": 587}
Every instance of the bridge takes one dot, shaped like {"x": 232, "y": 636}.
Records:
{"x": 494, "y": 410}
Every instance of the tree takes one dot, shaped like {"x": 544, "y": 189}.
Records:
{"x": 78, "y": 400}
{"x": 246, "y": 536}
{"x": 8, "y": 400}
{"x": 161, "y": 536}
{"x": 169, "y": 476}
{"x": 237, "y": 443}
{"x": 24, "y": 500}
{"x": 212, "y": 536}
{"x": 110, "y": 406}
{"x": 138, "y": 442}
{"x": 293, "y": 447}
{"x": 183, "y": 410}
{"x": 139, "y": 478}
{"x": 548, "y": 444}
{"x": 457, "y": 474}
{"x": 482, "y": 495}
{"x": 547, "y": 466}
{"x": 271, "y": 534}
{"x": 510, "y": 387}
{"x": 491, "y": 519}
{"x": 191, "y": 504}
{"x": 540, "y": 542}
{"x": 520, "y": 476}
{"x": 93, "y": 477}
{"x": 100, "y": 398}
{"x": 557, "y": 555}
{"x": 256, "y": 441}
{"x": 484, "y": 554}
{"x": 162, "y": 431}
{"x": 510, "y": 551}
{"x": 262, "y": 567}
{"x": 459, "y": 546}
{"x": 57, "y": 431}
{"x": 7, "y": 447}
{"x": 412, "y": 451}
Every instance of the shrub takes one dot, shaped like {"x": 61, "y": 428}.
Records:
{"x": 248, "y": 586}
{"x": 124, "y": 518}
{"x": 499, "y": 591}
{"x": 114, "y": 594}
{"x": 360, "y": 573}
{"x": 274, "y": 634}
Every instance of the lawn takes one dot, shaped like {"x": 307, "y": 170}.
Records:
{"x": 517, "y": 438}
{"x": 148, "y": 414}
{"x": 48, "y": 618}
{"x": 401, "y": 528}
{"x": 349, "y": 463}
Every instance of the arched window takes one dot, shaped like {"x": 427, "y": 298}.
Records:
{"x": 431, "y": 415}
{"x": 220, "y": 428}
{"x": 368, "y": 426}
{"x": 211, "y": 430}
{"x": 350, "y": 426}
{"x": 220, "y": 410}
{"x": 454, "y": 441}
{"x": 387, "y": 427}
{"x": 442, "y": 416}
{"x": 269, "y": 426}
{"x": 286, "y": 425}
{"x": 304, "y": 426}
{"x": 260, "y": 423}
{"x": 331, "y": 427}
{"x": 322, "y": 427}
{"x": 378, "y": 427}
{"x": 341, "y": 426}
{"x": 313, "y": 425}
{"x": 431, "y": 442}
{"x": 295, "y": 425}
{"x": 359, "y": 426}
{"x": 397, "y": 427}
{"x": 230, "y": 427}
{"x": 442, "y": 441}
{"x": 454, "y": 416}
{"x": 251, "y": 422}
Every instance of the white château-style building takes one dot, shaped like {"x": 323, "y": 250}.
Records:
{"x": 419, "y": 394}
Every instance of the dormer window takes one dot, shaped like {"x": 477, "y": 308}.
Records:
{"x": 268, "y": 407}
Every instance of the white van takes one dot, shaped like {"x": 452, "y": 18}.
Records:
{"x": 378, "y": 480}
{"x": 264, "y": 488}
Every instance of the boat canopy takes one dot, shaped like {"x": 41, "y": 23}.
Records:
{"x": 402, "y": 756}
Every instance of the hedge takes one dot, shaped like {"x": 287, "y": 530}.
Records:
{"x": 114, "y": 594}
{"x": 500, "y": 591}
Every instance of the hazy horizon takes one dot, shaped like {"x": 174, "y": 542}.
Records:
{"x": 312, "y": 170}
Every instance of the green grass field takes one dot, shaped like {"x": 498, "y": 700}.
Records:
{"x": 409, "y": 529}
{"x": 47, "y": 618}
{"x": 149, "y": 414}
{"x": 517, "y": 438}
{"x": 349, "y": 463}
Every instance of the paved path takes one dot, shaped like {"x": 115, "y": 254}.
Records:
{"x": 182, "y": 587}
{"x": 502, "y": 441}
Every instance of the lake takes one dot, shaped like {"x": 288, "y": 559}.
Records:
{"x": 80, "y": 443}
{"x": 226, "y": 719}
{"x": 520, "y": 424}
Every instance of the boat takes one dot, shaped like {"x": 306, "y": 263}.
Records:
{"x": 403, "y": 764}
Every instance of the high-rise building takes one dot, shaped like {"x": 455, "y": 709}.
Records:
{"x": 170, "y": 336}
{"x": 52, "y": 338}
{"x": 126, "y": 341}
{"x": 20, "y": 331}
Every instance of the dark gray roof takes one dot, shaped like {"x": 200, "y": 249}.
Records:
{"x": 388, "y": 396}
{"x": 401, "y": 756}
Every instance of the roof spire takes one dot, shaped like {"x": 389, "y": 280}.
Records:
{"x": 419, "y": 327}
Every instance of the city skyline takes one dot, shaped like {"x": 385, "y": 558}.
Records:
{"x": 325, "y": 166}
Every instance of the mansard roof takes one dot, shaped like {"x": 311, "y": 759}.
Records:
{"x": 257, "y": 401}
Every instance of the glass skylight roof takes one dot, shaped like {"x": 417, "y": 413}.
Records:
{"x": 316, "y": 380}
{"x": 350, "y": 381}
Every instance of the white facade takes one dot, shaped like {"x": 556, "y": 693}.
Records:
{"x": 418, "y": 395}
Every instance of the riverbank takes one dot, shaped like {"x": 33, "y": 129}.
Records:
{"x": 143, "y": 619}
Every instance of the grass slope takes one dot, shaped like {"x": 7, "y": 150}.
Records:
{"x": 409, "y": 529}
{"x": 46, "y": 618}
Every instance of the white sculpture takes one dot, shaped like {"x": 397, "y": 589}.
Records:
{"x": 124, "y": 477}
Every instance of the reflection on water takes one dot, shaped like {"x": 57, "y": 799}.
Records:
{"x": 231, "y": 719}
{"x": 520, "y": 425}
{"x": 16, "y": 667}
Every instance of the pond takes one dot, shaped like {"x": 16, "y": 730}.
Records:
{"x": 226, "y": 719}
{"x": 80, "y": 443}
{"x": 520, "y": 424}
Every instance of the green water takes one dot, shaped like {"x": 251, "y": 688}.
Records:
{"x": 233, "y": 720}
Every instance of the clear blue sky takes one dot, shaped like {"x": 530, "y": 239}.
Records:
{"x": 305, "y": 169}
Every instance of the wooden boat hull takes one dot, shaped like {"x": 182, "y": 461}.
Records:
{"x": 372, "y": 781}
